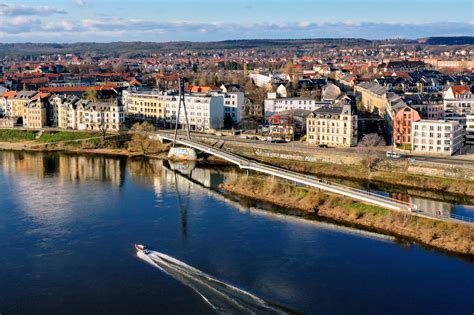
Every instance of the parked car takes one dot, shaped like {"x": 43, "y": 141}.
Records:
{"x": 324, "y": 146}
{"x": 393, "y": 154}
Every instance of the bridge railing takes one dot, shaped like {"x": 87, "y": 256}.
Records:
{"x": 246, "y": 164}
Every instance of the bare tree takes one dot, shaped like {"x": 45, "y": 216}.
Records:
{"x": 368, "y": 146}
{"x": 141, "y": 136}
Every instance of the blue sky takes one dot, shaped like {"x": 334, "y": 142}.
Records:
{"x": 202, "y": 20}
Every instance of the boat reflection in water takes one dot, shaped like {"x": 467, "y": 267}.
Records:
{"x": 222, "y": 297}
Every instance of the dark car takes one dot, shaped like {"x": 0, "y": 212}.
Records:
{"x": 324, "y": 146}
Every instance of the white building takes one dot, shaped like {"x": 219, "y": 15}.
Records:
{"x": 458, "y": 102}
{"x": 80, "y": 114}
{"x": 100, "y": 116}
{"x": 261, "y": 80}
{"x": 205, "y": 112}
{"x": 470, "y": 129}
{"x": 234, "y": 105}
{"x": 275, "y": 105}
{"x": 437, "y": 136}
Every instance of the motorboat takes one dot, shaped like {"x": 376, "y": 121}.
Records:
{"x": 141, "y": 248}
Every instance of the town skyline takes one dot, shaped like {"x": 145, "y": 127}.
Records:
{"x": 67, "y": 21}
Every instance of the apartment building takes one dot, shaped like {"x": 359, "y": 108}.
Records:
{"x": 458, "y": 102}
{"x": 234, "y": 106}
{"x": 6, "y": 103}
{"x": 437, "y": 136}
{"x": 332, "y": 126}
{"x": 470, "y": 129}
{"x": 35, "y": 112}
{"x": 402, "y": 125}
{"x": 35, "y": 115}
{"x": 275, "y": 105}
{"x": 80, "y": 114}
{"x": 100, "y": 116}
{"x": 205, "y": 111}
{"x": 19, "y": 102}
{"x": 146, "y": 104}
{"x": 372, "y": 96}
{"x": 428, "y": 105}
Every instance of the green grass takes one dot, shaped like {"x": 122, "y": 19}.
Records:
{"x": 12, "y": 135}
{"x": 363, "y": 209}
{"x": 65, "y": 136}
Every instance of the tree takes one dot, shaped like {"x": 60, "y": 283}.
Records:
{"x": 90, "y": 95}
{"x": 368, "y": 145}
{"x": 141, "y": 136}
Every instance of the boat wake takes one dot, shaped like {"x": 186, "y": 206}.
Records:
{"x": 222, "y": 297}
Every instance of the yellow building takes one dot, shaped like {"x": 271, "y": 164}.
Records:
{"x": 332, "y": 126}
{"x": 146, "y": 105}
{"x": 20, "y": 101}
{"x": 35, "y": 115}
{"x": 372, "y": 96}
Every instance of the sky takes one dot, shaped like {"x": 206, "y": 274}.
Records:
{"x": 64, "y": 21}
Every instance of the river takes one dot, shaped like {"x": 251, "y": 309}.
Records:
{"x": 68, "y": 222}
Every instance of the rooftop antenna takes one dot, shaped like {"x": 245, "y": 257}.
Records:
{"x": 181, "y": 101}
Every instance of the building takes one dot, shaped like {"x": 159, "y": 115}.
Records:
{"x": 470, "y": 129}
{"x": 275, "y": 105}
{"x": 234, "y": 107}
{"x": 428, "y": 105}
{"x": 458, "y": 102}
{"x": 19, "y": 102}
{"x": 35, "y": 115}
{"x": 402, "y": 125}
{"x": 372, "y": 96}
{"x": 72, "y": 112}
{"x": 404, "y": 66}
{"x": 36, "y": 112}
{"x": 205, "y": 111}
{"x": 437, "y": 136}
{"x": 6, "y": 103}
{"x": 145, "y": 104}
{"x": 332, "y": 126}
{"x": 103, "y": 116}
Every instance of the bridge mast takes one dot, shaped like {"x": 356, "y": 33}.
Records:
{"x": 181, "y": 100}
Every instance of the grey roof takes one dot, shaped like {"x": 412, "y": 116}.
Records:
{"x": 373, "y": 87}
{"x": 25, "y": 94}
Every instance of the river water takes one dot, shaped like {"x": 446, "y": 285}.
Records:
{"x": 68, "y": 222}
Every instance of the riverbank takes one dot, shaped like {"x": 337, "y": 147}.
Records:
{"x": 449, "y": 236}
{"x": 384, "y": 173}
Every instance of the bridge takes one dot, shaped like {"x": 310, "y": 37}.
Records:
{"x": 312, "y": 181}
{"x": 247, "y": 164}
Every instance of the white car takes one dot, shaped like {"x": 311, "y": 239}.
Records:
{"x": 393, "y": 154}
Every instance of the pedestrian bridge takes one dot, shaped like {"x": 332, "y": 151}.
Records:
{"x": 247, "y": 164}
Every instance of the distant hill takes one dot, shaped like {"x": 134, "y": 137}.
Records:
{"x": 119, "y": 48}
{"x": 457, "y": 40}
{"x": 116, "y": 49}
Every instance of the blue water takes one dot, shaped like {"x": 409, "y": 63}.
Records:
{"x": 67, "y": 224}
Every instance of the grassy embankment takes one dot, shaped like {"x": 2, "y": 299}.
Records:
{"x": 449, "y": 236}
{"x": 394, "y": 176}
{"x": 81, "y": 141}
{"x": 11, "y": 135}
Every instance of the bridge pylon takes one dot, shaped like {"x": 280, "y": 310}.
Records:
{"x": 182, "y": 153}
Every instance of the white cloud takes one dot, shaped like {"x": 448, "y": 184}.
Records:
{"x": 104, "y": 29}
{"x": 80, "y": 3}
{"x": 23, "y": 9}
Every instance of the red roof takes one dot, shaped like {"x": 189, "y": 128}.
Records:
{"x": 40, "y": 95}
{"x": 460, "y": 89}
{"x": 77, "y": 88}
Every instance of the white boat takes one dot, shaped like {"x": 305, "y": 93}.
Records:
{"x": 141, "y": 248}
